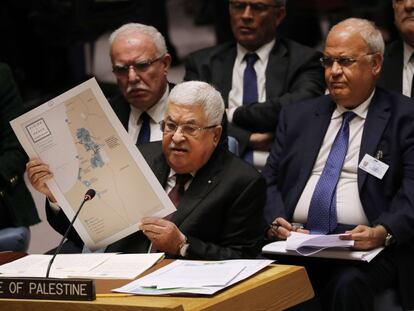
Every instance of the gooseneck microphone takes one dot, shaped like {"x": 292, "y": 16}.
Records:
{"x": 88, "y": 196}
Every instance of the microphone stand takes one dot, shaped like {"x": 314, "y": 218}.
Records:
{"x": 87, "y": 198}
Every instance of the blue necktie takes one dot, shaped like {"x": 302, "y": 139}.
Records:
{"x": 250, "y": 80}
{"x": 145, "y": 132}
{"x": 322, "y": 208}
{"x": 250, "y": 94}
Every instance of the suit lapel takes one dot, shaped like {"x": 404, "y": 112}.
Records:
{"x": 222, "y": 71}
{"x": 202, "y": 184}
{"x": 276, "y": 71}
{"x": 315, "y": 134}
{"x": 375, "y": 123}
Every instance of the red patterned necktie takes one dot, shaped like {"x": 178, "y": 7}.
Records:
{"x": 178, "y": 190}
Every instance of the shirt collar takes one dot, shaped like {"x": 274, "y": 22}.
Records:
{"x": 361, "y": 111}
{"x": 172, "y": 173}
{"x": 408, "y": 51}
{"x": 156, "y": 112}
{"x": 262, "y": 52}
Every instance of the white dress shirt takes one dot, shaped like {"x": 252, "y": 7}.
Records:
{"x": 408, "y": 70}
{"x": 156, "y": 114}
{"x": 349, "y": 208}
{"x": 236, "y": 93}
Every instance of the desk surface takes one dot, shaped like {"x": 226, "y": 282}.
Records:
{"x": 277, "y": 287}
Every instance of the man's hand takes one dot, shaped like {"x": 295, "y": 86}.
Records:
{"x": 38, "y": 173}
{"x": 163, "y": 234}
{"x": 366, "y": 238}
{"x": 261, "y": 141}
{"x": 280, "y": 229}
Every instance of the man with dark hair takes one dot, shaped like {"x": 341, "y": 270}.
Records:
{"x": 258, "y": 74}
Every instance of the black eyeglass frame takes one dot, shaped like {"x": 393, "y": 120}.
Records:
{"x": 343, "y": 61}
{"x": 138, "y": 66}
{"x": 184, "y": 128}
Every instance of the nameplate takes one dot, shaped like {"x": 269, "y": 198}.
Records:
{"x": 47, "y": 288}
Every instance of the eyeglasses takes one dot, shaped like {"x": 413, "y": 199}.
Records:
{"x": 169, "y": 127}
{"x": 138, "y": 66}
{"x": 256, "y": 7}
{"x": 342, "y": 61}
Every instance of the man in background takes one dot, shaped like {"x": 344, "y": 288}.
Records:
{"x": 398, "y": 67}
{"x": 140, "y": 63}
{"x": 258, "y": 74}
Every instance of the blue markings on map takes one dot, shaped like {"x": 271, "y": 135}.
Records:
{"x": 86, "y": 140}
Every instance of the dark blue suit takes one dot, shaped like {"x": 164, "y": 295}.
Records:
{"x": 389, "y": 127}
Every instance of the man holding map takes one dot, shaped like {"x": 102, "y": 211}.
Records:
{"x": 219, "y": 198}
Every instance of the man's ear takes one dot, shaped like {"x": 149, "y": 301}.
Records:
{"x": 166, "y": 60}
{"x": 217, "y": 134}
{"x": 377, "y": 59}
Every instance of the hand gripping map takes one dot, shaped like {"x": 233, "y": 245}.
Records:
{"x": 85, "y": 145}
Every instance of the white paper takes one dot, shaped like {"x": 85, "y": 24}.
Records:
{"x": 251, "y": 267}
{"x": 188, "y": 274}
{"x": 85, "y": 145}
{"x": 279, "y": 248}
{"x": 63, "y": 265}
{"x": 121, "y": 266}
{"x": 309, "y": 244}
{"x": 93, "y": 265}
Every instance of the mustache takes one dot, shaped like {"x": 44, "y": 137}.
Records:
{"x": 173, "y": 145}
{"x": 136, "y": 87}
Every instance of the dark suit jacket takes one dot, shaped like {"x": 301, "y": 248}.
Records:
{"x": 221, "y": 213}
{"x": 293, "y": 73}
{"x": 14, "y": 195}
{"x": 389, "y": 127}
{"x": 392, "y": 67}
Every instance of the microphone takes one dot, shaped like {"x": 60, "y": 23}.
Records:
{"x": 89, "y": 195}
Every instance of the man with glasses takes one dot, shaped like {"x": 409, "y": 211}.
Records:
{"x": 219, "y": 197}
{"x": 398, "y": 68}
{"x": 344, "y": 163}
{"x": 258, "y": 74}
{"x": 140, "y": 63}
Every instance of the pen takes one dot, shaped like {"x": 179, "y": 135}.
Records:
{"x": 296, "y": 226}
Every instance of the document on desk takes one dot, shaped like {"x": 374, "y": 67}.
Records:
{"x": 281, "y": 248}
{"x": 194, "y": 277}
{"x": 94, "y": 265}
{"x": 309, "y": 244}
{"x": 85, "y": 145}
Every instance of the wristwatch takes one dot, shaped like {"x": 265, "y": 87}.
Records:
{"x": 389, "y": 239}
{"x": 183, "y": 248}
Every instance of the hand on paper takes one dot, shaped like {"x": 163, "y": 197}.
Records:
{"x": 164, "y": 234}
{"x": 366, "y": 238}
{"x": 280, "y": 229}
{"x": 38, "y": 173}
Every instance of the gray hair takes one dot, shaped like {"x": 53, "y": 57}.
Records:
{"x": 150, "y": 31}
{"x": 199, "y": 93}
{"x": 368, "y": 31}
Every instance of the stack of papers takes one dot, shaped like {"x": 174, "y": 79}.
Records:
{"x": 309, "y": 244}
{"x": 328, "y": 246}
{"x": 194, "y": 277}
{"x": 94, "y": 265}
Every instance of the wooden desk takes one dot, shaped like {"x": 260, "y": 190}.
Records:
{"x": 275, "y": 288}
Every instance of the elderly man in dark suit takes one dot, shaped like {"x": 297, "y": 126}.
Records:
{"x": 219, "y": 197}
{"x": 398, "y": 67}
{"x": 140, "y": 63}
{"x": 344, "y": 162}
{"x": 258, "y": 74}
{"x": 17, "y": 209}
